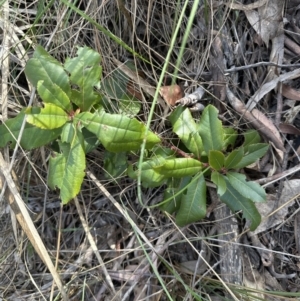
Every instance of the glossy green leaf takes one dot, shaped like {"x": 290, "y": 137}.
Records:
{"x": 115, "y": 84}
{"x": 66, "y": 170}
{"x": 251, "y": 137}
{"x": 68, "y": 133}
{"x": 85, "y": 68}
{"x": 248, "y": 189}
{"x": 255, "y": 152}
{"x": 116, "y": 132}
{"x": 211, "y": 130}
{"x": 115, "y": 164}
{"x": 32, "y": 136}
{"x": 174, "y": 203}
{"x": 216, "y": 159}
{"x": 236, "y": 202}
{"x": 49, "y": 117}
{"x": 85, "y": 98}
{"x": 174, "y": 186}
{"x": 234, "y": 158}
{"x": 193, "y": 203}
{"x": 53, "y": 94}
{"x": 129, "y": 106}
{"x": 230, "y": 136}
{"x": 46, "y": 68}
{"x": 90, "y": 140}
{"x": 219, "y": 181}
{"x": 179, "y": 167}
{"x": 85, "y": 72}
{"x": 185, "y": 127}
{"x": 165, "y": 152}
{"x": 149, "y": 177}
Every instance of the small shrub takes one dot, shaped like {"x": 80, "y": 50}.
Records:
{"x": 72, "y": 115}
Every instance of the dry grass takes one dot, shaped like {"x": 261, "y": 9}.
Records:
{"x": 105, "y": 244}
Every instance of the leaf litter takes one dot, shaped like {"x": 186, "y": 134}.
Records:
{"x": 261, "y": 39}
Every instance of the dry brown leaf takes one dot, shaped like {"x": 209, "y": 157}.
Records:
{"x": 130, "y": 274}
{"x": 277, "y": 53}
{"x": 132, "y": 90}
{"x": 290, "y": 93}
{"x": 269, "y": 86}
{"x": 189, "y": 267}
{"x": 240, "y": 6}
{"x": 266, "y": 122}
{"x": 258, "y": 121}
{"x": 271, "y": 127}
{"x": 145, "y": 86}
{"x": 171, "y": 94}
{"x": 294, "y": 47}
{"x": 288, "y": 129}
{"x": 297, "y": 231}
{"x": 273, "y": 216}
{"x": 265, "y": 20}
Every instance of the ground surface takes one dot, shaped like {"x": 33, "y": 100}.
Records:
{"x": 246, "y": 56}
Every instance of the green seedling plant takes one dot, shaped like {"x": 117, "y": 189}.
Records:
{"x": 74, "y": 116}
{"x": 209, "y": 155}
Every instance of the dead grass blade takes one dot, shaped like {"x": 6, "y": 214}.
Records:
{"x": 94, "y": 246}
{"x": 26, "y": 223}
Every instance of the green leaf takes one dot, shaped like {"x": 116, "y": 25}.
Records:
{"x": 46, "y": 68}
{"x": 179, "y": 167}
{"x": 85, "y": 98}
{"x": 115, "y": 164}
{"x": 86, "y": 63}
{"x": 85, "y": 72}
{"x": 174, "y": 203}
{"x": 165, "y": 152}
{"x": 193, "y": 203}
{"x": 255, "y": 152}
{"x": 216, "y": 159}
{"x": 49, "y": 117}
{"x": 116, "y": 132}
{"x": 250, "y": 190}
{"x": 68, "y": 133}
{"x": 32, "y": 136}
{"x": 149, "y": 177}
{"x": 55, "y": 95}
{"x": 234, "y": 158}
{"x": 185, "y": 127}
{"x": 230, "y": 136}
{"x": 210, "y": 129}
{"x": 219, "y": 180}
{"x": 115, "y": 84}
{"x": 129, "y": 106}
{"x": 251, "y": 137}
{"x": 66, "y": 170}
{"x": 174, "y": 186}
{"x": 235, "y": 201}
{"x": 90, "y": 140}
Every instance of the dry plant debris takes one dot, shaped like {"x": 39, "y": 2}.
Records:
{"x": 106, "y": 245}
